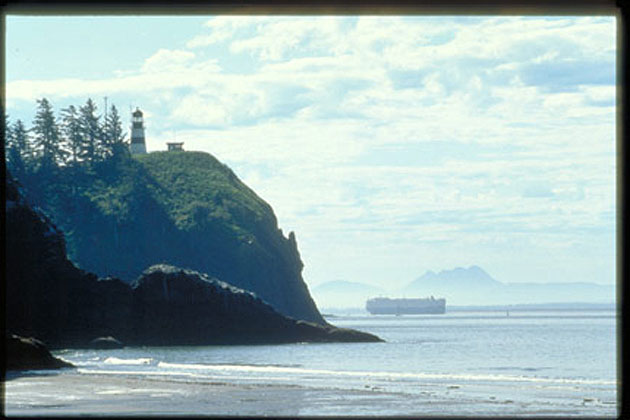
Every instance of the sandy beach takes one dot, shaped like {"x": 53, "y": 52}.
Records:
{"x": 116, "y": 395}
{"x": 70, "y": 393}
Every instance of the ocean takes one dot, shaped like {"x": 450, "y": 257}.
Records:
{"x": 493, "y": 363}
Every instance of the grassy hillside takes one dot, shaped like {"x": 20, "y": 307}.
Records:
{"x": 195, "y": 188}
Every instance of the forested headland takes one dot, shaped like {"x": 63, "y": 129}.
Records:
{"x": 121, "y": 214}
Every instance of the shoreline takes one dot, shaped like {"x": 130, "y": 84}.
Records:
{"x": 123, "y": 395}
{"x": 37, "y": 393}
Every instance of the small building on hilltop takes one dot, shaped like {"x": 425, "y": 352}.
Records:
{"x": 137, "y": 145}
{"x": 175, "y": 146}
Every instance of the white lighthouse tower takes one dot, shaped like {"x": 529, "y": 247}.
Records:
{"x": 137, "y": 145}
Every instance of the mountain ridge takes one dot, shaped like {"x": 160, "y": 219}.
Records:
{"x": 457, "y": 275}
{"x": 473, "y": 286}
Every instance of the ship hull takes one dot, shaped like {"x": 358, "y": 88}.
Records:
{"x": 386, "y": 306}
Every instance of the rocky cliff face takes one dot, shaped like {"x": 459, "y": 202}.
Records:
{"x": 173, "y": 305}
{"x": 47, "y": 296}
{"x": 50, "y": 299}
{"x": 185, "y": 209}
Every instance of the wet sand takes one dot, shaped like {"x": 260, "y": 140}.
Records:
{"x": 70, "y": 393}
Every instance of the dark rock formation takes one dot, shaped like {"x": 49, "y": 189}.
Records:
{"x": 105, "y": 343}
{"x": 332, "y": 334}
{"x": 46, "y": 295}
{"x": 177, "y": 306}
{"x": 49, "y": 298}
{"x": 30, "y": 354}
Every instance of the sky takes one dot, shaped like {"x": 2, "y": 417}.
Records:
{"x": 390, "y": 145}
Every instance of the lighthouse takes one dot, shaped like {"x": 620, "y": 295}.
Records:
{"x": 137, "y": 145}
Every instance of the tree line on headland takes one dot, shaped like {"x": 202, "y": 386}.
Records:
{"x": 79, "y": 137}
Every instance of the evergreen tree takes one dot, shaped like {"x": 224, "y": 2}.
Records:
{"x": 9, "y": 145}
{"x": 46, "y": 139}
{"x": 91, "y": 132}
{"x": 21, "y": 139}
{"x": 5, "y": 126}
{"x": 7, "y": 131}
{"x": 20, "y": 152}
{"x": 114, "y": 135}
{"x": 71, "y": 129}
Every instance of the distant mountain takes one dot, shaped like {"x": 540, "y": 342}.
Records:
{"x": 470, "y": 285}
{"x": 474, "y": 286}
{"x": 472, "y": 276}
{"x": 344, "y": 294}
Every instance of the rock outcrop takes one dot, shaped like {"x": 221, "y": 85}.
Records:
{"x": 177, "y": 306}
{"x": 47, "y": 297}
{"x": 30, "y": 354}
{"x": 105, "y": 343}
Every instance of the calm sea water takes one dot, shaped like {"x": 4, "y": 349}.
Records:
{"x": 461, "y": 363}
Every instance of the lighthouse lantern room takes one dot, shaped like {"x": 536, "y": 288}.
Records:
{"x": 137, "y": 145}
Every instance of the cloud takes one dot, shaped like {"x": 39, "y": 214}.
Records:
{"x": 279, "y": 38}
{"x": 162, "y": 71}
{"x": 388, "y": 140}
{"x": 223, "y": 28}
{"x": 388, "y": 68}
{"x": 568, "y": 74}
{"x": 167, "y": 60}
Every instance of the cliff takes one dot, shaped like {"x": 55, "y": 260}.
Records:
{"x": 181, "y": 208}
{"x": 50, "y": 299}
{"x": 47, "y": 297}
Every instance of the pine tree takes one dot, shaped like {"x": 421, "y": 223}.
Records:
{"x": 91, "y": 132}
{"x": 71, "y": 129}
{"x": 12, "y": 155}
{"x": 21, "y": 138}
{"x": 46, "y": 139}
{"x": 20, "y": 151}
{"x": 7, "y": 131}
{"x": 114, "y": 135}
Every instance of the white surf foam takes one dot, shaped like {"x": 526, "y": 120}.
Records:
{"x": 117, "y": 361}
{"x": 377, "y": 374}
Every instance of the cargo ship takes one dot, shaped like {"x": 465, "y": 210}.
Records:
{"x": 404, "y": 306}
